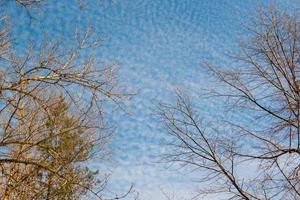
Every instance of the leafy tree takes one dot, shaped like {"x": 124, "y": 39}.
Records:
{"x": 52, "y": 120}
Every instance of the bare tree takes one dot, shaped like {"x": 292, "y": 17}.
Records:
{"x": 264, "y": 89}
{"x": 52, "y": 120}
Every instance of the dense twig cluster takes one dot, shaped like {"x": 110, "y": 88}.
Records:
{"x": 264, "y": 87}
{"x": 51, "y": 118}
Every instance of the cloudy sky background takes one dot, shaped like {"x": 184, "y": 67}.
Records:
{"x": 158, "y": 45}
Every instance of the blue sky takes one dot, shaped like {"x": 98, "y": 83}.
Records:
{"x": 158, "y": 45}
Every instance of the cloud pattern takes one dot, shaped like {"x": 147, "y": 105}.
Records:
{"x": 158, "y": 45}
